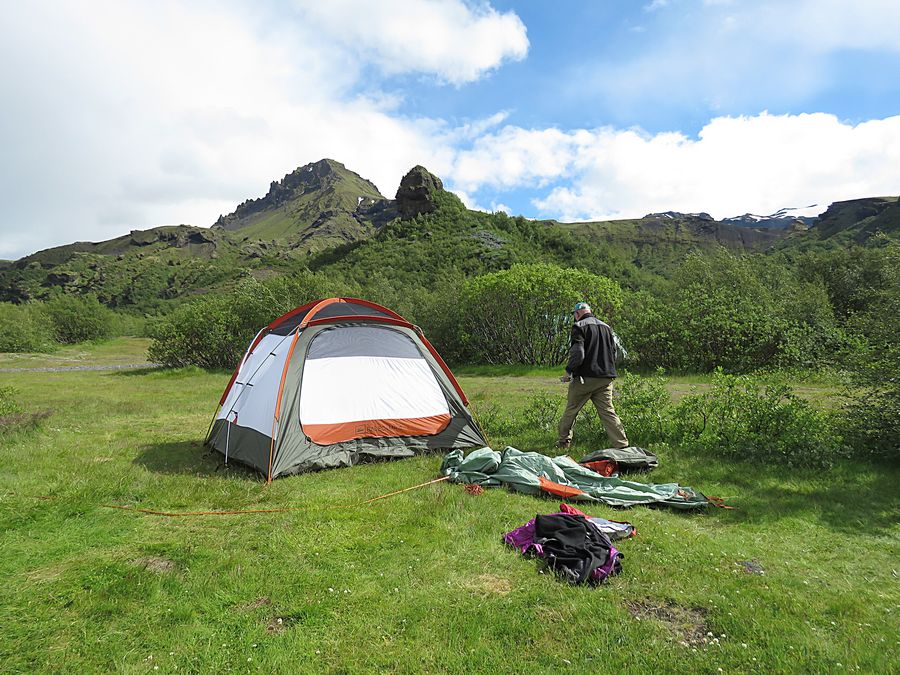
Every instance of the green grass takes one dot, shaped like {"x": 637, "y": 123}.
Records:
{"x": 416, "y": 582}
{"x": 822, "y": 389}
{"x": 114, "y": 352}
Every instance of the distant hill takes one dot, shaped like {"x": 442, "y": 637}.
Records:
{"x": 323, "y": 216}
{"x": 860, "y": 218}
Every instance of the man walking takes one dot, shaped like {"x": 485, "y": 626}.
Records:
{"x": 590, "y": 373}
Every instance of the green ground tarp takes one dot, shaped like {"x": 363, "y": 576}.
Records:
{"x": 523, "y": 471}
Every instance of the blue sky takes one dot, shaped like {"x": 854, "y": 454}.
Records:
{"x": 131, "y": 114}
{"x": 573, "y": 45}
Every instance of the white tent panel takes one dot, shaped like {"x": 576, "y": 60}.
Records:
{"x": 255, "y": 391}
{"x": 356, "y": 388}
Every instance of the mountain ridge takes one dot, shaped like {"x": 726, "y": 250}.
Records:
{"x": 324, "y": 209}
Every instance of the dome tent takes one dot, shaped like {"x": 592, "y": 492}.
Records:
{"x": 336, "y": 381}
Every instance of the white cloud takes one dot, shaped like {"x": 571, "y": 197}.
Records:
{"x": 737, "y": 164}
{"x": 457, "y": 42}
{"x": 123, "y": 115}
{"x": 514, "y": 156}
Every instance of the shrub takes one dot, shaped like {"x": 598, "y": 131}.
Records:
{"x": 739, "y": 313}
{"x": 523, "y": 314}
{"x": 543, "y": 411}
{"x": 9, "y": 403}
{"x": 643, "y": 404}
{"x": 206, "y": 332}
{"x": 23, "y": 328}
{"x": 740, "y": 419}
{"x": 872, "y": 419}
{"x": 214, "y": 331}
{"x": 79, "y": 319}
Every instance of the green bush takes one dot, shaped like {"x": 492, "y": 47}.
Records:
{"x": 215, "y": 331}
{"x": 543, "y": 411}
{"x": 872, "y": 419}
{"x": 739, "y": 313}
{"x": 79, "y": 319}
{"x": 524, "y": 314}
{"x": 24, "y": 328}
{"x": 643, "y": 405}
{"x": 741, "y": 419}
{"x": 9, "y": 401}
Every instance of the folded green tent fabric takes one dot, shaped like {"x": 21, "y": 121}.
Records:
{"x": 524, "y": 471}
{"x": 628, "y": 459}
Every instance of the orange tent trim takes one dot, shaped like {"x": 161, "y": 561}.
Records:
{"x": 339, "y": 432}
{"x": 558, "y": 489}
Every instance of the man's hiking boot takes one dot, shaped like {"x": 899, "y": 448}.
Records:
{"x": 564, "y": 445}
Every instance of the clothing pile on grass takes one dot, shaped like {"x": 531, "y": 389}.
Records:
{"x": 577, "y": 547}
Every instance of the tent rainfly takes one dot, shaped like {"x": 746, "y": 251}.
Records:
{"x": 334, "y": 382}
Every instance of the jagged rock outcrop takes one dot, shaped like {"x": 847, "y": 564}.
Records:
{"x": 416, "y": 193}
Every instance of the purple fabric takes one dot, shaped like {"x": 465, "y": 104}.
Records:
{"x": 522, "y": 539}
{"x": 606, "y": 569}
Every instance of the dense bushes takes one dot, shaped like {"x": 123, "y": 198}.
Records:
{"x": 734, "y": 312}
{"x": 872, "y": 419}
{"x": 78, "y": 319}
{"x": 215, "y": 330}
{"x": 24, "y": 328}
{"x": 740, "y": 418}
{"x": 524, "y": 314}
{"x": 64, "y": 319}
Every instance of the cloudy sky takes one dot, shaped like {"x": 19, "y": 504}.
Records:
{"x": 129, "y": 114}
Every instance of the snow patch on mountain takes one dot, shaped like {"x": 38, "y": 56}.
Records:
{"x": 781, "y": 219}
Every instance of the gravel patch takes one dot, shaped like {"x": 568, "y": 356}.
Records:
{"x": 63, "y": 369}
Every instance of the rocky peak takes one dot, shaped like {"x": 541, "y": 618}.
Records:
{"x": 416, "y": 192}
{"x": 308, "y": 179}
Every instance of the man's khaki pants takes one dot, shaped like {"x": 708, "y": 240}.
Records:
{"x": 599, "y": 391}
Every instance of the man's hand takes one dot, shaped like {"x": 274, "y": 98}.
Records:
{"x": 565, "y": 378}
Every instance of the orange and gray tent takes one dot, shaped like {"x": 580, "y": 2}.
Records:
{"x": 335, "y": 382}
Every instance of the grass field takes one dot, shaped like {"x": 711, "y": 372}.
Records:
{"x": 419, "y": 581}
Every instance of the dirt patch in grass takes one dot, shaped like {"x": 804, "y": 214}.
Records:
{"x": 250, "y": 606}
{"x": 491, "y": 584}
{"x": 48, "y": 573}
{"x": 276, "y": 625}
{"x": 686, "y": 624}
{"x": 23, "y": 420}
{"x": 751, "y": 566}
{"x": 155, "y": 563}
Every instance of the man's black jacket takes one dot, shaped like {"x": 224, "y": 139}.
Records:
{"x": 593, "y": 350}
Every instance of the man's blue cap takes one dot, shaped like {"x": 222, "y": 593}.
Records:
{"x": 580, "y": 305}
